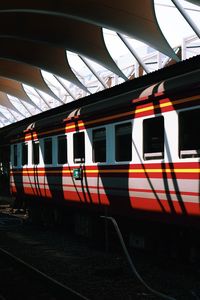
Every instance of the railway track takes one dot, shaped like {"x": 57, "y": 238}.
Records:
{"x": 75, "y": 263}
{"x": 20, "y": 280}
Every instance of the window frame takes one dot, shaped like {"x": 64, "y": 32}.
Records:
{"x": 22, "y": 144}
{"x": 57, "y": 149}
{"x": 78, "y": 160}
{"x": 44, "y": 150}
{"x": 39, "y": 158}
{"x": 15, "y": 165}
{"x": 115, "y": 141}
{"x": 156, "y": 155}
{"x": 186, "y": 153}
{"x": 93, "y": 149}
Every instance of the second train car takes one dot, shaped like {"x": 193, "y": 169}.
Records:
{"x": 134, "y": 153}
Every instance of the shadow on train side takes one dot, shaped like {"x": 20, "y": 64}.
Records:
{"x": 169, "y": 176}
{"x": 117, "y": 183}
{"x": 109, "y": 188}
{"x": 183, "y": 182}
{"x": 18, "y": 178}
{"x": 51, "y": 182}
{"x": 113, "y": 181}
{"x": 5, "y": 195}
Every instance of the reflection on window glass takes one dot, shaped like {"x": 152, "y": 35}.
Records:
{"x": 189, "y": 127}
{"x": 35, "y": 152}
{"x": 123, "y": 142}
{"x": 153, "y": 138}
{"x": 24, "y": 154}
{"x": 79, "y": 147}
{"x": 15, "y": 155}
{"x": 62, "y": 149}
{"x": 48, "y": 151}
{"x": 99, "y": 145}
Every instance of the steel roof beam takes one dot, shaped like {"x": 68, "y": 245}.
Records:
{"x": 136, "y": 18}
{"x": 59, "y": 32}
{"x": 65, "y": 87}
{"x": 93, "y": 71}
{"x": 187, "y": 17}
{"x": 133, "y": 52}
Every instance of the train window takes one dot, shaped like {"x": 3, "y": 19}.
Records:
{"x": 35, "y": 152}
{"x": 15, "y": 156}
{"x": 189, "y": 126}
{"x": 48, "y": 151}
{"x": 123, "y": 142}
{"x": 79, "y": 147}
{"x": 62, "y": 149}
{"x": 153, "y": 138}
{"x": 99, "y": 145}
{"x": 24, "y": 153}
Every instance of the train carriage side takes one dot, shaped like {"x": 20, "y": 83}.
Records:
{"x": 138, "y": 157}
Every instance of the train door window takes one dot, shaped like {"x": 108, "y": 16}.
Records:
{"x": 24, "y": 148}
{"x": 189, "y": 126}
{"x": 79, "y": 147}
{"x": 15, "y": 155}
{"x": 153, "y": 138}
{"x": 99, "y": 145}
{"x": 62, "y": 149}
{"x": 123, "y": 142}
{"x": 48, "y": 151}
{"x": 35, "y": 152}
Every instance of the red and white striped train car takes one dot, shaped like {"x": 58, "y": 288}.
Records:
{"x": 134, "y": 153}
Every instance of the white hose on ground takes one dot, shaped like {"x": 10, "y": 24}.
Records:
{"x": 131, "y": 263}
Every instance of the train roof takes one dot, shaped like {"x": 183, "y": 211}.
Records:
{"x": 179, "y": 75}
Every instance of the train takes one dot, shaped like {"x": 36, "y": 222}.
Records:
{"x": 131, "y": 151}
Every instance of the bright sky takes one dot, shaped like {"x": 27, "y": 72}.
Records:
{"x": 170, "y": 20}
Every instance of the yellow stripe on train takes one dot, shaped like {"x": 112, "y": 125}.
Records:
{"x": 197, "y": 170}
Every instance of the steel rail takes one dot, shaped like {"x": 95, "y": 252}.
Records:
{"x": 74, "y": 295}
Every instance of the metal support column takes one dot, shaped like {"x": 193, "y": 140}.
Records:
{"x": 27, "y": 109}
{"x": 41, "y": 96}
{"x": 64, "y": 87}
{"x": 187, "y": 17}
{"x": 93, "y": 71}
{"x": 133, "y": 52}
{"x": 3, "y": 116}
{"x": 10, "y": 111}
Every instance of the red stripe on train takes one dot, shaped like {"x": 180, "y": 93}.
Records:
{"x": 135, "y": 203}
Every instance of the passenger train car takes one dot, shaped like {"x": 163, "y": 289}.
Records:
{"x": 132, "y": 151}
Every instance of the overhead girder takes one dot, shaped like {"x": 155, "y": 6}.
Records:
{"x": 77, "y": 36}
{"x": 42, "y": 55}
{"x": 2, "y": 116}
{"x": 14, "y": 88}
{"x": 5, "y": 101}
{"x": 187, "y": 17}
{"x": 196, "y": 2}
{"x": 24, "y": 73}
{"x": 135, "y": 18}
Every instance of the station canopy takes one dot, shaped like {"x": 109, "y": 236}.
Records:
{"x": 37, "y": 35}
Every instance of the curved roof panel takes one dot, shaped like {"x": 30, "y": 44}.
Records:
{"x": 35, "y": 35}
{"x": 80, "y": 37}
{"x": 13, "y": 88}
{"x": 4, "y": 100}
{"x": 196, "y": 2}
{"x": 39, "y": 54}
{"x": 24, "y": 73}
{"x": 134, "y": 18}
